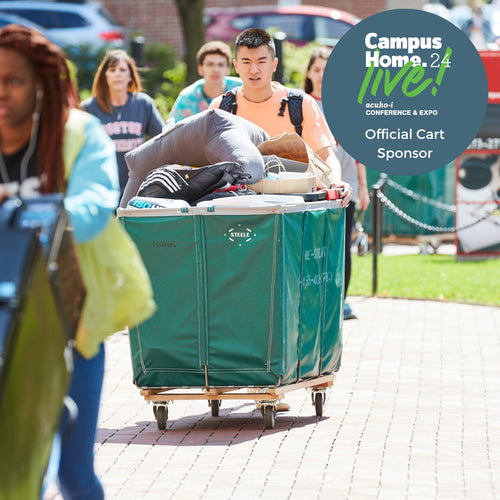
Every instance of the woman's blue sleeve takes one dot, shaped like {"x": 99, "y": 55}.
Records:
{"x": 93, "y": 191}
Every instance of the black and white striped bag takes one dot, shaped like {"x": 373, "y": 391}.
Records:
{"x": 186, "y": 183}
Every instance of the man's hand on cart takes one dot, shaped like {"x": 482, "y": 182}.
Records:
{"x": 345, "y": 192}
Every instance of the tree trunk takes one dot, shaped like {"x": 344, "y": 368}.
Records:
{"x": 191, "y": 14}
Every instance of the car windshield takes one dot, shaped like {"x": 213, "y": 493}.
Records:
{"x": 49, "y": 18}
{"x": 333, "y": 29}
{"x": 296, "y": 27}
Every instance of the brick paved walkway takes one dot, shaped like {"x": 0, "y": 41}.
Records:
{"x": 414, "y": 413}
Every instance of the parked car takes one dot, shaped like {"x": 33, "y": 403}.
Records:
{"x": 6, "y": 19}
{"x": 301, "y": 23}
{"x": 70, "y": 23}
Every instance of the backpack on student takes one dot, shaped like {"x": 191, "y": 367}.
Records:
{"x": 293, "y": 99}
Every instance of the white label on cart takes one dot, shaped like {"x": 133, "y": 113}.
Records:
{"x": 240, "y": 234}
{"x": 316, "y": 279}
{"x": 315, "y": 253}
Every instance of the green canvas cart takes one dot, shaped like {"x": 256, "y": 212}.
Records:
{"x": 250, "y": 300}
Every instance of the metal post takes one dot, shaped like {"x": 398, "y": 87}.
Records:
{"x": 377, "y": 222}
{"x": 279, "y": 36}
{"x": 380, "y": 222}
{"x": 137, "y": 49}
{"x": 375, "y": 237}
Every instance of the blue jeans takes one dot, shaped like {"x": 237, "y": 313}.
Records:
{"x": 77, "y": 479}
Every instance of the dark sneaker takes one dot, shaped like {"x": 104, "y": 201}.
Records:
{"x": 348, "y": 312}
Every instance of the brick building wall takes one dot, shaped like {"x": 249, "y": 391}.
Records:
{"x": 158, "y": 20}
{"x": 360, "y": 8}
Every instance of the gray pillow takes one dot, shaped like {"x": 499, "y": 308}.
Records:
{"x": 209, "y": 137}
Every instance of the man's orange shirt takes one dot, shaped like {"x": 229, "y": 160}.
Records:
{"x": 315, "y": 133}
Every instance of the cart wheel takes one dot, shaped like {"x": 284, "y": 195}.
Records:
{"x": 318, "y": 403}
{"x": 154, "y": 410}
{"x": 161, "y": 417}
{"x": 215, "y": 405}
{"x": 269, "y": 416}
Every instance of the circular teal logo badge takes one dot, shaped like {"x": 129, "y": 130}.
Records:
{"x": 404, "y": 92}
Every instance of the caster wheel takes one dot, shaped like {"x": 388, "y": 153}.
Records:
{"x": 269, "y": 412}
{"x": 318, "y": 403}
{"x": 161, "y": 417}
{"x": 215, "y": 405}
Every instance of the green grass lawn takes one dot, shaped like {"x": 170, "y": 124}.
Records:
{"x": 436, "y": 277}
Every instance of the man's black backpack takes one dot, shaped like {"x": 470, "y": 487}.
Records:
{"x": 293, "y": 99}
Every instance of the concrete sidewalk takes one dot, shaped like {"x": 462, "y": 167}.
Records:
{"x": 414, "y": 413}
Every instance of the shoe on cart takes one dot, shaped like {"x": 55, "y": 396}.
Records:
{"x": 348, "y": 312}
{"x": 280, "y": 406}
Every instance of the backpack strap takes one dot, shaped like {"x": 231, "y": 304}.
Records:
{"x": 228, "y": 102}
{"x": 294, "y": 100}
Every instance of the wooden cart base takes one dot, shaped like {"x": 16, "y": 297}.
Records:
{"x": 266, "y": 396}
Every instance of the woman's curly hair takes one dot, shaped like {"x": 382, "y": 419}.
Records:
{"x": 59, "y": 96}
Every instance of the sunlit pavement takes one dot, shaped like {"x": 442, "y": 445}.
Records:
{"x": 414, "y": 413}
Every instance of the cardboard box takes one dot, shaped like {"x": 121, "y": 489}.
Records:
{"x": 286, "y": 183}
{"x": 293, "y": 147}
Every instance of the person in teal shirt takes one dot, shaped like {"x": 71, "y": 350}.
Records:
{"x": 214, "y": 59}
